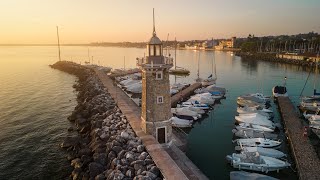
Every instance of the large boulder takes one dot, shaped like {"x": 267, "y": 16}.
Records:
{"x": 95, "y": 169}
{"x": 70, "y": 142}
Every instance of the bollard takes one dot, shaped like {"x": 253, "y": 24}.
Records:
{"x": 305, "y": 131}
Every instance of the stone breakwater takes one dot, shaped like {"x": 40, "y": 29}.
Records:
{"x": 272, "y": 58}
{"x": 105, "y": 146}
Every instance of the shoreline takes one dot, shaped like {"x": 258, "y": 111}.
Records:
{"x": 106, "y": 147}
{"x": 272, "y": 58}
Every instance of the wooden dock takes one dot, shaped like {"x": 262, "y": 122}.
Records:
{"x": 184, "y": 94}
{"x": 305, "y": 156}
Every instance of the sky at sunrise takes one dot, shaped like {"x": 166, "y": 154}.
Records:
{"x": 85, "y": 21}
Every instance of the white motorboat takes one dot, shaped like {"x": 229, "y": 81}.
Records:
{"x": 250, "y": 103}
{"x": 128, "y": 82}
{"x": 243, "y": 175}
{"x": 314, "y": 125}
{"x": 258, "y": 142}
{"x": 194, "y": 105}
{"x": 259, "y": 97}
{"x": 267, "y": 115}
{"x": 204, "y": 98}
{"x": 314, "y": 118}
{"x": 197, "y": 110}
{"x": 246, "y": 109}
{"x": 256, "y": 162}
{"x": 254, "y": 127}
{"x": 201, "y": 100}
{"x": 249, "y": 133}
{"x": 135, "y": 88}
{"x": 252, "y": 98}
{"x": 307, "y": 114}
{"x": 270, "y": 152}
{"x": 182, "y": 123}
{"x": 211, "y": 89}
{"x": 185, "y": 111}
{"x": 256, "y": 120}
{"x": 278, "y": 91}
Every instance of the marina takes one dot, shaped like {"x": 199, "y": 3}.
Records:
{"x": 214, "y": 130}
{"x": 194, "y": 91}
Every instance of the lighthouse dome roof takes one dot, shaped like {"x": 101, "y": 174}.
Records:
{"x": 155, "y": 40}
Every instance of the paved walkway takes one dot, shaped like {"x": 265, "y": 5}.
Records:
{"x": 164, "y": 162}
{"x": 307, "y": 161}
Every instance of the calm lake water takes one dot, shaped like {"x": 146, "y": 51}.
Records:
{"x": 35, "y": 101}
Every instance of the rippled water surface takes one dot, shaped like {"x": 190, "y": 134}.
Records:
{"x": 35, "y": 101}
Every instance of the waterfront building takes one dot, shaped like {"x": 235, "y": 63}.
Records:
{"x": 209, "y": 44}
{"x": 225, "y": 44}
{"x": 156, "y": 99}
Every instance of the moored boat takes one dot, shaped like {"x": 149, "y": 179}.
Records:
{"x": 249, "y": 133}
{"x": 182, "y": 123}
{"x": 256, "y": 120}
{"x": 254, "y": 127}
{"x": 256, "y": 162}
{"x": 185, "y": 111}
{"x": 258, "y": 142}
{"x": 265, "y": 151}
{"x": 279, "y": 91}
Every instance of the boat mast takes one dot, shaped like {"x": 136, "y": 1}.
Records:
{"x": 315, "y": 77}
{"x": 88, "y": 55}
{"x": 167, "y": 45}
{"x": 175, "y": 54}
{"x": 58, "y": 43}
{"x": 198, "y": 65}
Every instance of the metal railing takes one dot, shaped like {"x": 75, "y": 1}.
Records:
{"x": 145, "y": 61}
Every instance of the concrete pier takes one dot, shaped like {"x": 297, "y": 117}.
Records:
{"x": 307, "y": 161}
{"x": 184, "y": 94}
{"x": 171, "y": 168}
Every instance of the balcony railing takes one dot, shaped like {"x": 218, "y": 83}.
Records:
{"x": 160, "y": 61}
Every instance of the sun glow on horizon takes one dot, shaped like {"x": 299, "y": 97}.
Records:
{"x": 80, "y": 21}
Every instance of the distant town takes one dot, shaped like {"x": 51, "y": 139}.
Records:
{"x": 297, "y": 47}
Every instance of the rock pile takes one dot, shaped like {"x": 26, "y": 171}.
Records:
{"x": 106, "y": 147}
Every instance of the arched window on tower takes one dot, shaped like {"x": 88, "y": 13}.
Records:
{"x": 151, "y": 50}
{"x": 158, "y": 50}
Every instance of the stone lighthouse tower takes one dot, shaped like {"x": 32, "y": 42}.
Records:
{"x": 156, "y": 99}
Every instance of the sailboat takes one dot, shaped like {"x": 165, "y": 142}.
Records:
{"x": 316, "y": 95}
{"x": 198, "y": 73}
{"x": 178, "y": 70}
{"x": 311, "y": 103}
{"x": 211, "y": 80}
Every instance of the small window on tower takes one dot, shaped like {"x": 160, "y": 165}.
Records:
{"x": 159, "y": 99}
{"x": 159, "y": 75}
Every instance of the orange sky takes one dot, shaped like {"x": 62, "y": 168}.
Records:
{"x": 85, "y": 21}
